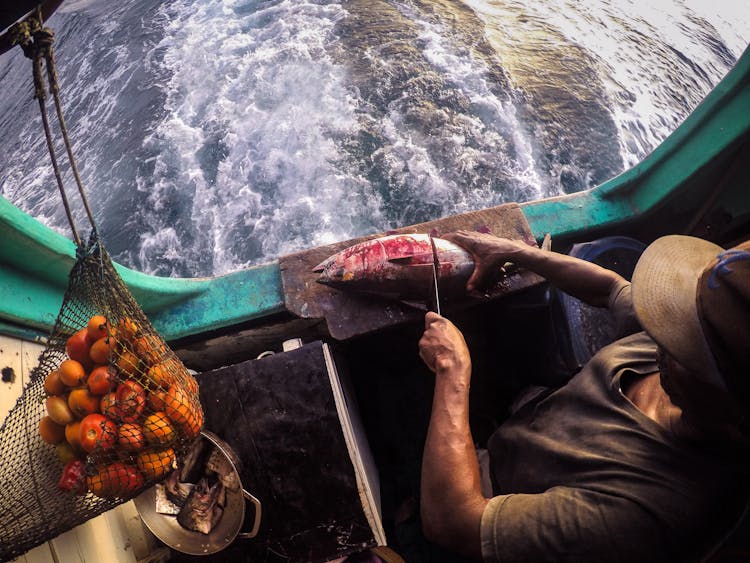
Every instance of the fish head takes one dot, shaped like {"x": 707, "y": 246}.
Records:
{"x": 331, "y": 270}
{"x": 353, "y": 265}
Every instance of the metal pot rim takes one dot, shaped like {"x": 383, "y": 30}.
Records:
{"x": 168, "y": 530}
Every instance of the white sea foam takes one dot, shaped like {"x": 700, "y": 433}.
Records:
{"x": 214, "y": 134}
{"x": 261, "y": 90}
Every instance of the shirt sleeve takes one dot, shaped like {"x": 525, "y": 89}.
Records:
{"x": 621, "y": 307}
{"x": 567, "y": 524}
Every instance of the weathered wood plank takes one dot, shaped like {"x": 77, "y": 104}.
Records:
{"x": 141, "y": 539}
{"x": 348, "y": 315}
{"x": 40, "y": 554}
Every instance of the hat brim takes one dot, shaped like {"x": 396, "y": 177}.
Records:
{"x": 664, "y": 289}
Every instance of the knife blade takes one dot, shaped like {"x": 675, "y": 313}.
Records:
{"x": 434, "y": 290}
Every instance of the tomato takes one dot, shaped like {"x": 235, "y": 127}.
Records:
{"x": 115, "y": 480}
{"x": 97, "y": 432}
{"x": 108, "y": 406}
{"x": 130, "y": 398}
{"x": 101, "y": 380}
{"x": 82, "y": 402}
{"x": 155, "y": 400}
{"x": 73, "y": 477}
{"x": 97, "y": 327}
{"x": 130, "y": 437}
{"x": 77, "y": 346}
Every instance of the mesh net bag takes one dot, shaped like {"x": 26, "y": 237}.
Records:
{"x": 106, "y": 413}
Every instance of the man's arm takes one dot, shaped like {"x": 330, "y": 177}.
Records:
{"x": 451, "y": 503}
{"x": 581, "y": 279}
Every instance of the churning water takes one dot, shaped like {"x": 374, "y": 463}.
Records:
{"x": 216, "y": 134}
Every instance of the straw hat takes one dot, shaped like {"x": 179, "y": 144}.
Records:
{"x": 693, "y": 298}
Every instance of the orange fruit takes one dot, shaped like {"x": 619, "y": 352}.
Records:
{"x": 157, "y": 429}
{"x": 127, "y": 362}
{"x": 97, "y": 327}
{"x": 191, "y": 384}
{"x": 65, "y": 452}
{"x": 50, "y": 431}
{"x": 82, "y": 402}
{"x": 58, "y": 410}
{"x": 73, "y": 435}
{"x": 114, "y": 480}
{"x": 183, "y": 411}
{"x": 99, "y": 352}
{"x": 72, "y": 373}
{"x": 126, "y": 330}
{"x": 155, "y": 464}
{"x": 149, "y": 348}
{"x": 53, "y": 385}
{"x": 161, "y": 375}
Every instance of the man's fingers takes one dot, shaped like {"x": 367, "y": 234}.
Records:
{"x": 430, "y": 318}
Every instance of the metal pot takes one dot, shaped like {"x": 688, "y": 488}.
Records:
{"x": 166, "y": 528}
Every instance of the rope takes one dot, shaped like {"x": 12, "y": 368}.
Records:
{"x": 37, "y": 44}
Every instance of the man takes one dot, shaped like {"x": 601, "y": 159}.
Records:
{"x": 642, "y": 455}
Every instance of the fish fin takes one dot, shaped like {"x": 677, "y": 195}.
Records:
{"x": 434, "y": 232}
{"x": 415, "y": 259}
{"x": 484, "y": 229}
{"x": 404, "y": 260}
{"x": 391, "y": 232}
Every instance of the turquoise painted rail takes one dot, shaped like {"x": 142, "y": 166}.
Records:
{"x": 35, "y": 261}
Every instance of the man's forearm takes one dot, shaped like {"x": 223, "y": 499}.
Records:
{"x": 451, "y": 500}
{"x": 581, "y": 279}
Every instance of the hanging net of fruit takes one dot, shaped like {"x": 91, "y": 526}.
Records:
{"x": 106, "y": 413}
{"x": 110, "y": 408}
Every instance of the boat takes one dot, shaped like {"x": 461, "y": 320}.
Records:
{"x": 695, "y": 182}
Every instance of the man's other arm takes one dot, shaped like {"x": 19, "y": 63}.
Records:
{"x": 452, "y": 503}
{"x": 581, "y": 279}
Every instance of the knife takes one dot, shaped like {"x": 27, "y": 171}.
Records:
{"x": 434, "y": 293}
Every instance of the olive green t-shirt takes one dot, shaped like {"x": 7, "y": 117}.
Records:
{"x": 582, "y": 475}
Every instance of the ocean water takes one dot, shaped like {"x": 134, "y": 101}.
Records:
{"x": 212, "y": 135}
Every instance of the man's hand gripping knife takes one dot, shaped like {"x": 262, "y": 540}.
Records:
{"x": 452, "y": 503}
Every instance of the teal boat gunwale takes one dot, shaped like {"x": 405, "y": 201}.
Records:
{"x": 36, "y": 260}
